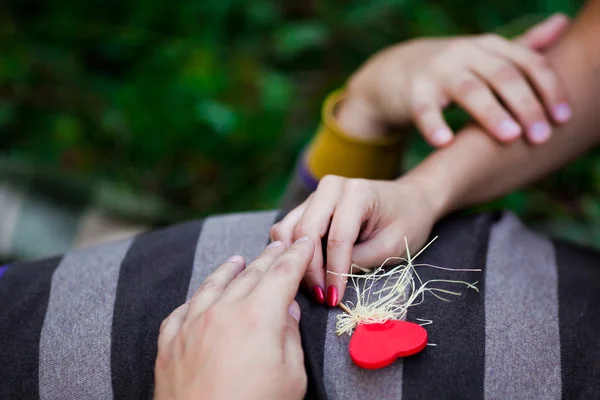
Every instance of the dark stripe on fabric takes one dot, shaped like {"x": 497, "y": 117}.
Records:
{"x": 454, "y": 369}
{"x": 24, "y": 293}
{"x": 313, "y": 328}
{"x": 579, "y": 319}
{"x": 153, "y": 281}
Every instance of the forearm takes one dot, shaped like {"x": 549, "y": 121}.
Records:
{"x": 476, "y": 168}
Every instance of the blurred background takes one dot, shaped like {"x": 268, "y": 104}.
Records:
{"x": 139, "y": 114}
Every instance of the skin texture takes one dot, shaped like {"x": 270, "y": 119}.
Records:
{"x": 366, "y": 221}
{"x": 238, "y": 337}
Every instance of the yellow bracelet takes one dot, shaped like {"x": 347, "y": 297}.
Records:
{"x": 334, "y": 152}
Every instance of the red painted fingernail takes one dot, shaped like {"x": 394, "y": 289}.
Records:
{"x": 318, "y": 295}
{"x": 332, "y": 296}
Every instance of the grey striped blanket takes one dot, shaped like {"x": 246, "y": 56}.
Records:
{"x": 84, "y": 325}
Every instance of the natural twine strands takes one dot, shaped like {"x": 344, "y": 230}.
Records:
{"x": 402, "y": 288}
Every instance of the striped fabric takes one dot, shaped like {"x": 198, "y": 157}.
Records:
{"x": 85, "y": 325}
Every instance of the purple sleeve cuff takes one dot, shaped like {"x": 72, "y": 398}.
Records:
{"x": 306, "y": 177}
{"x": 3, "y": 270}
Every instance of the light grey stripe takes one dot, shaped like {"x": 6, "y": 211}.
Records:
{"x": 344, "y": 380}
{"x": 75, "y": 343}
{"x": 522, "y": 348}
{"x": 223, "y": 236}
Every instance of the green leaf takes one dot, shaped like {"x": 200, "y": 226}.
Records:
{"x": 219, "y": 116}
{"x": 294, "y": 39}
{"x": 275, "y": 91}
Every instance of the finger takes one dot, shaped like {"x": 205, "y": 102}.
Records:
{"x": 373, "y": 252}
{"x": 537, "y": 70}
{"x": 314, "y": 224}
{"x": 356, "y": 206}
{"x": 294, "y": 310}
{"x": 427, "y": 115}
{"x": 212, "y": 288}
{"x": 171, "y": 326}
{"x": 516, "y": 93}
{"x": 247, "y": 280}
{"x": 284, "y": 230}
{"x": 279, "y": 285}
{"x": 475, "y": 97}
{"x": 546, "y": 33}
{"x": 292, "y": 343}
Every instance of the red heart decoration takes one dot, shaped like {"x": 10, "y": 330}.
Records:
{"x": 378, "y": 345}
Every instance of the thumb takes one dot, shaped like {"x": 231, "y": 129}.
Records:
{"x": 546, "y": 33}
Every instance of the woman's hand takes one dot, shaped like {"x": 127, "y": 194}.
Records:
{"x": 506, "y": 86}
{"x": 363, "y": 221}
{"x": 238, "y": 337}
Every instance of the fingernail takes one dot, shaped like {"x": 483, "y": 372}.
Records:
{"x": 442, "y": 136}
{"x": 294, "y": 311}
{"x": 539, "y": 132}
{"x": 562, "y": 112}
{"x": 302, "y": 239}
{"x": 332, "y": 296}
{"x": 509, "y": 129}
{"x": 234, "y": 259}
{"x": 318, "y": 294}
{"x": 274, "y": 244}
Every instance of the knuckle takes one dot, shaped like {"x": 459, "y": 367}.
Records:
{"x": 209, "y": 318}
{"x": 301, "y": 230}
{"x": 253, "y": 272}
{"x": 336, "y": 240}
{"x": 506, "y": 73}
{"x": 336, "y": 244}
{"x": 275, "y": 230}
{"x": 422, "y": 110}
{"x": 468, "y": 87}
{"x": 491, "y": 38}
{"x": 329, "y": 180}
{"x": 492, "y": 111}
{"x": 211, "y": 283}
{"x": 286, "y": 268}
{"x": 357, "y": 185}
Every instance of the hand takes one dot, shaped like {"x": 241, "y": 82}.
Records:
{"x": 364, "y": 221}
{"x": 238, "y": 337}
{"x": 415, "y": 81}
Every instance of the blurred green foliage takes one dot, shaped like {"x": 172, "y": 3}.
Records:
{"x": 207, "y": 103}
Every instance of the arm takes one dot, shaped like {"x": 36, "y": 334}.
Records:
{"x": 361, "y": 135}
{"x": 476, "y": 168}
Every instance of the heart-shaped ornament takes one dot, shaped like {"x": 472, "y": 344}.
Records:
{"x": 378, "y": 345}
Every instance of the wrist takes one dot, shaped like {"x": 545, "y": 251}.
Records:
{"x": 437, "y": 196}
{"x": 359, "y": 119}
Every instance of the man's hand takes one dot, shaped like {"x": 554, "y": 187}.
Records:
{"x": 238, "y": 337}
